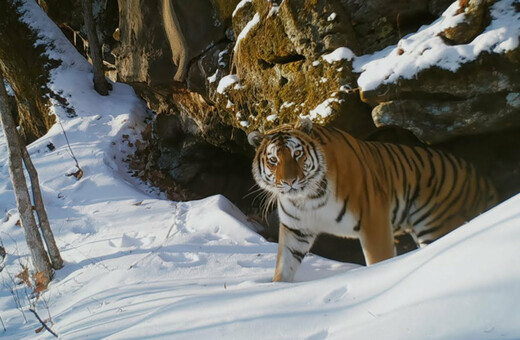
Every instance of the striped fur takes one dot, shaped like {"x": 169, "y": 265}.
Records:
{"x": 326, "y": 181}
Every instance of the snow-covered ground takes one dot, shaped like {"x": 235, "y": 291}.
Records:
{"x": 138, "y": 266}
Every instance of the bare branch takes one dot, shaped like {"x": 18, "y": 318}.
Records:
{"x": 43, "y": 322}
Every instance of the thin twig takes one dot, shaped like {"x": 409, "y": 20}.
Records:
{"x": 14, "y": 293}
{"x": 3, "y": 324}
{"x": 42, "y": 322}
{"x": 68, "y": 144}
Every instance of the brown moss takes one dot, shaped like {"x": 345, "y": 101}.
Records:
{"x": 276, "y": 80}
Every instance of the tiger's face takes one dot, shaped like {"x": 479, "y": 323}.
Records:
{"x": 287, "y": 161}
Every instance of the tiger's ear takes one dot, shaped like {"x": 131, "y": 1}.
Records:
{"x": 255, "y": 138}
{"x": 304, "y": 125}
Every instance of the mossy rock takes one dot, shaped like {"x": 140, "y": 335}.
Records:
{"x": 280, "y": 78}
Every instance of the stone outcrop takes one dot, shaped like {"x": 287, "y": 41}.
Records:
{"x": 286, "y": 67}
{"x": 481, "y": 96}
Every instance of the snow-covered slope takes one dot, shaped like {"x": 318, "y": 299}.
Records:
{"x": 139, "y": 266}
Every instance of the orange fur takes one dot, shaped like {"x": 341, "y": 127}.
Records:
{"x": 373, "y": 191}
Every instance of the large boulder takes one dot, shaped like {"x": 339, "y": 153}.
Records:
{"x": 453, "y": 78}
{"x": 290, "y": 61}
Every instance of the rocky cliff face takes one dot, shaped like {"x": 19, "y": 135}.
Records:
{"x": 425, "y": 71}
{"x": 26, "y": 69}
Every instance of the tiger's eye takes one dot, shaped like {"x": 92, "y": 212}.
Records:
{"x": 273, "y": 160}
{"x": 297, "y": 153}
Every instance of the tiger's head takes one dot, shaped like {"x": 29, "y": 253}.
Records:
{"x": 287, "y": 160}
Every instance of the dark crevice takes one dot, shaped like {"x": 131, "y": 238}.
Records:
{"x": 287, "y": 59}
{"x": 196, "y": 58}
{"x": 264, "y": 64}
{"x": 419, "y": 95}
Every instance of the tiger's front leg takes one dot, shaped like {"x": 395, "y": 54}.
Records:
{"x": 293, "y": 245}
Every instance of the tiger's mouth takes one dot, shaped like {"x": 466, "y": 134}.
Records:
{"x": 291, "y": 190}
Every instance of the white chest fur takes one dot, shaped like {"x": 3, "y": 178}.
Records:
{"x": 321, "y": 215}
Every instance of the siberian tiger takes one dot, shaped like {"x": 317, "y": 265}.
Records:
{"x": 326, "y": 181}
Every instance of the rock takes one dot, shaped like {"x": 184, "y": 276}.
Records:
{"x": 476, "y": 13}
{"x": 280, "y": 59}
{"x": 437, "y": 121}
{"x": 437, "y": 105}
{"x": 378, "y": 24}
{"x": 26, "y": 69}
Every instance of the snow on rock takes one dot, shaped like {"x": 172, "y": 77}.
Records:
{"x": 241, "y": 4}
{"x": 426, "y": 48}
{"x": 225, "y": 82}
{"x": 250, "y": 25}
{"x": 321, "y": 111}
{"x": 339, "y": 54}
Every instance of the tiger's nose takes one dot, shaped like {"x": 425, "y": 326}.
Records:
{"x": 290, "y": 182}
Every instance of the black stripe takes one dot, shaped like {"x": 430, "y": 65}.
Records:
{"x": 404, "y": 154}
{"x": 409, "y": 201}
{"x": 396, "y": 208}
{"x": 454, "y": 199}
{"x": 297, "y": 254}
{"x": 388, "y": 173}
{"x": 426, "y": 204}
{"x": 376, "y": 155}
{"x": 428, "y": 231}
{"x": 298, "y": 234}
{"x": 286, "y": 213}
{"x": 313, "y": 156}
{"x": 295, "y": 204}
{"x": 357, "y": 227}
{"x": 259, "y": 163}
{"x": 391, "y": 152}
{"x": 426, "y": 214}
{"x": 417, "y": 155}
{"x": 317, "y": 136}
{"x": 392, "y": 160}
{"x": 322, "y": 190}
{"x": 432, "y": 166}
{"x": 343, "y": 210}
{"x": 443, "y": 172}
{"x": 345, "y": 139}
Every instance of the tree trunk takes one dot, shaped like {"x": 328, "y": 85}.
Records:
{"x": 54, "y": 253}
{"x": 23, "y": 200}
{"x": 100, "y": 83}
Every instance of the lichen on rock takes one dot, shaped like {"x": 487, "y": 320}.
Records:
{"x": 278, "y": 65}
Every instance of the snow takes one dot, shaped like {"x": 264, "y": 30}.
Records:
{"x": 331, "y": 17}
{"x": 425, "y": 49}
{"x": 249, "y": 26}
{"x": 240, "y": 5}
{"x": 139, "y": 266}
{"x": 339, "y": 54}
{"x": 271, "y": 118}
{"x": 213, "y": 78}
{"x": 323, "y": 110}
{"x": 225, "y": 82}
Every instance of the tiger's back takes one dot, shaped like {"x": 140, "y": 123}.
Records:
{"x": 326, "y": 181}
{"x": 426, "y": 191}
